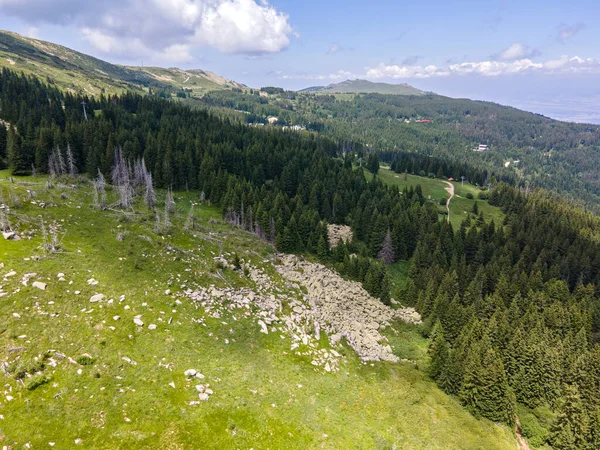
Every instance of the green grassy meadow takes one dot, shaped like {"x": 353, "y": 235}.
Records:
{"x": 73, "y": 376}
{"x": 434, "y": 189}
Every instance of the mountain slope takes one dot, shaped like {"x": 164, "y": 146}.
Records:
{"x": 75, "y": 71}
{"x": 82, "y": 372}
{"x": 365, "y": 87}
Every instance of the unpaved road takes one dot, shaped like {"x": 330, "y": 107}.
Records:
{"x": 450, "y": 190}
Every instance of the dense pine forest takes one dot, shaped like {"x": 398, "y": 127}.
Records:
{"x": 540, "y": 151}
{"x": 511, "y": 308}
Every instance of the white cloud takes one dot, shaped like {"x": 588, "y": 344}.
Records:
{"x": 164, "y": 28}
{"x": 517, "y": 51}
{"x": 564, "y": 64}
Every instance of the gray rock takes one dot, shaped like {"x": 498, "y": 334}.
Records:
{"x": 39, "y": 285}
{"x": 97, "y": 298}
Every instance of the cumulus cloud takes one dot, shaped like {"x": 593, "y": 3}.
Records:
{"x": 164, "y": 29}
{"x": 563, "y": 64}
{"x": 566, "y": 32}
{"x": 517, "y": 51}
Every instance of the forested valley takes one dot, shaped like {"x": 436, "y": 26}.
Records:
{"x": 512, "y": 309}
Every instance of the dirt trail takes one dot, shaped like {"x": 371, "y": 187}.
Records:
{"x": 520, "y": 439}
{"x": 450, "y": 190}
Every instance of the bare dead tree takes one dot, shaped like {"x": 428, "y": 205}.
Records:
{"x": 169, "y": 201}
{"x": 121, "y": 176}
{"x": 62, "y": 168}
{"x": 189, "y": 222}
{"x": 386, "y": 254}
{"x": 202, "y": 196}
{"x": 33, "y": 171}
{"x": 166, "y": 220}
{"x": 71, "y": 162}
{"x": 99, "y": 190}
{"x": 149, "y": 194}
{"x": 51, "y": 238}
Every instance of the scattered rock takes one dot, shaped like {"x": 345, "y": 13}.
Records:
{"x": 9, "y": 235}
{"x": 138, "y": 322}
{"x": 152, "y": 326}
{"x": 97, "y": 298}
{"x": 263, "y": 327}
{"x": 39, "y": 285}
{"x": 203, "y": 397}
{"x": 190, "y": 373}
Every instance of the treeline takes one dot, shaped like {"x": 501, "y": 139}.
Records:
{"x": 514, "y": 314}
{"x": 284, "y": 187}
{"x": 551, "y": 154}
{"x": 429, "y": 166}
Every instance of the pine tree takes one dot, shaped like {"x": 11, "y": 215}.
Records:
{"x": 571, "y": 426}
{"x": 438, "y": 351}
{"x": 485, "y": 390}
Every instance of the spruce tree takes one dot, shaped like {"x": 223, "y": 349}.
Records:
{"x": 571, "y": 426}
{"x": 438, "y": 351}
{"x": 485, "y": 390}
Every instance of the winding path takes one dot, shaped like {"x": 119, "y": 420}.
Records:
{"x": 450, "y": 190}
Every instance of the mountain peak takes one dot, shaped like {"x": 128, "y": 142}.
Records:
{"x": 367, "y": 87}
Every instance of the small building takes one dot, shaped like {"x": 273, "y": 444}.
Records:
{"x": 423, "y": 121}
{"x": 481, "y": 148}
{"x": 273, "y": 120}
{"x": 450, "y": 179}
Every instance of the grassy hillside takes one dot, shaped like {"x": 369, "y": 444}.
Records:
{"x": 75, "y": 71}
{"x": 75, "y": 375}
{"x": 435, "y": 190}
{"x": 364, "y": 86}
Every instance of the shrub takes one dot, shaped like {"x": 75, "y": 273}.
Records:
{"x": 36, "y": 381}
{"x": 85, "y": 360}
{"x": 470, "y": 196}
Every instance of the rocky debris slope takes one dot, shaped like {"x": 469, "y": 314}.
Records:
{"x": 343, "y": 308}
{"x": 335, "y": 233}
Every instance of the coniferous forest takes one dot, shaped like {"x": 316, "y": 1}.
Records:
{"x": 512, "y": 309}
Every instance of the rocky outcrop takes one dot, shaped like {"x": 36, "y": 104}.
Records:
{"x": 336, "y": 233}
{"x": 344, "y": 309}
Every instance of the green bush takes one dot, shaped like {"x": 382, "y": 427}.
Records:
{"x": 85, "y": 360}
{"x": 470, "y": 196}
{"x": 483, "y": 196}
{"x": 36, "y": 381}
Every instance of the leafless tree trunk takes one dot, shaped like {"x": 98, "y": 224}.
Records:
{"x": 149, "y": 195}
{"x": 189, "y": 222}
{"x": 386, "y": 254}
{"x": 121, "y": 176}
{"x": 71, "y": 162}
{"x": 99, "y": 191}
{"x": 169, "y": 201}
{"x": 62, "y": 168}
{"x": 157, "y": 228}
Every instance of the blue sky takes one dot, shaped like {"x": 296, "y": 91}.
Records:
{"x": 541, "y": 56}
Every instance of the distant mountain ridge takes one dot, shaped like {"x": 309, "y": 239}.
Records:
{"x": 365, "y": 87}
{"x": 75, "y": 71}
